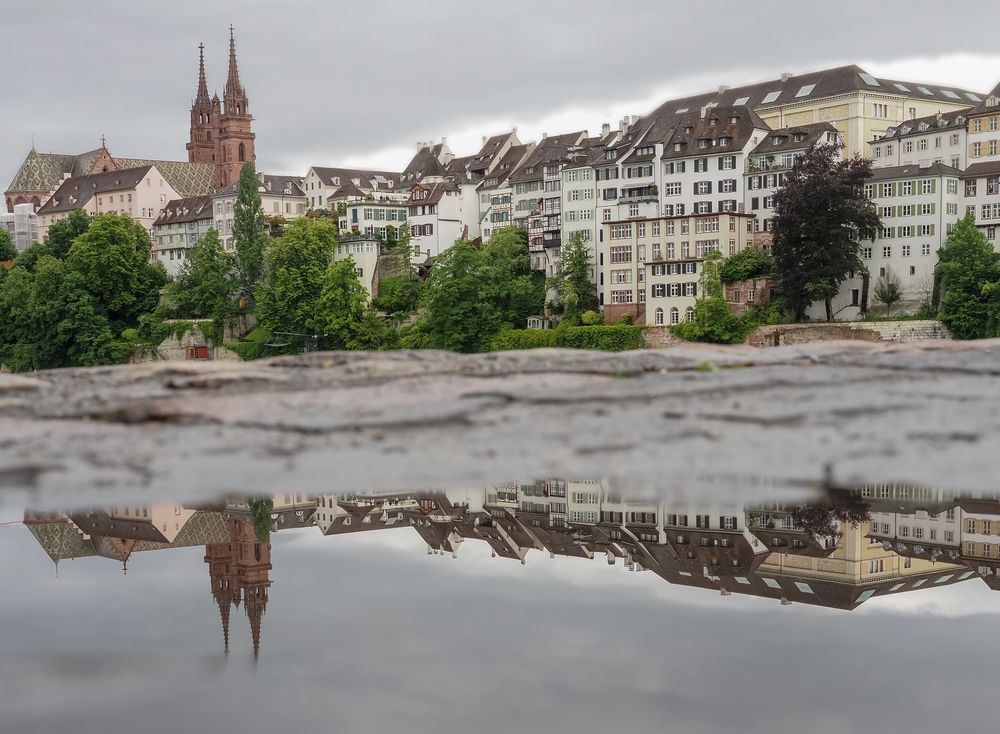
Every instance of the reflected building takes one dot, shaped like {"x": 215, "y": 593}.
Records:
{"x": 910, "y": 540}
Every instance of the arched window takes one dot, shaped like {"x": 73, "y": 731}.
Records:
{"x": 210, "y": 136}
{"x": 243, "y": 153}
{"x": 675, "y": 316}
{"x": 689, "y": 314}
{"x": 659, "y": 317}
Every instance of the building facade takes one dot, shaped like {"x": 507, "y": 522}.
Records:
{"x": 22, "y": 226}
{"x": 280, "y": 196}
{"x": 178, "y": 228}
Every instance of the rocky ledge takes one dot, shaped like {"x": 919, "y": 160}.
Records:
{"x": 682, "y": 419}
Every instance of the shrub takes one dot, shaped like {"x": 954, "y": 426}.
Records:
{"x": 511, "y": 339}
{"x": 616, "y": 338}
{"x": 746, "y": 264}
{"x": 591, "y": 318}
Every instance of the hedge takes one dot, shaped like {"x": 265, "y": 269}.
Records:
{"x": 617, "y": 338}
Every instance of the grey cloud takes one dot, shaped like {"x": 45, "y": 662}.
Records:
{"x": 333, "y": 80}
{"x": 362, "y": 638}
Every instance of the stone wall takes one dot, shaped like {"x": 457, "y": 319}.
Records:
{"x": 660, "y": 337}
{"x": 871, "y": 331}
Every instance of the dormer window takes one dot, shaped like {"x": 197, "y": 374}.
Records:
{"x": 776, "y": 140}
{"x": 702, "y": 143}
{"x": 678, "y": 146}
{"x": 733, "y": 120}
{"x": 688, "y": 129}
{"x": 723, "y": 142}
{"x": 611, "y": 155}
{"x": 798, "y": 137}
{"x": 712, "y": 121}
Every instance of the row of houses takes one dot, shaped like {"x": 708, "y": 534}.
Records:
{"x": 914, "y": 538}
{"x": 709, "y": 160}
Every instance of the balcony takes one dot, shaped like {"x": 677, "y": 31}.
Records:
{"x": 638, "y": 195}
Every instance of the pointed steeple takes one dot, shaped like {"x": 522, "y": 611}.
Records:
{"x": 225, "y": 607}
{"x": 255, "y": 604}
{"x": 234, "y": 95}
{"x": 202, "y": 97}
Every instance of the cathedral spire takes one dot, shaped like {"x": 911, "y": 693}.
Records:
{"x": 202, "y": 96}
{"x": 234, "y": 90}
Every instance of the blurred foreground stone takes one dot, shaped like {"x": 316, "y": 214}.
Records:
{"x": 689, "y": 418}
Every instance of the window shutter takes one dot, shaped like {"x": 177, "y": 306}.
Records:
{"x": 932, "y": 230}
{"x": 933, "y": 208}
{"x": 721, "y": 164}
{"x": 710, "y": 187}
{"x": 694, "y": 289}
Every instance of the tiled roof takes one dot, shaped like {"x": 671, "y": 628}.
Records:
{"x": 813, "y": 85}
{"x": 272, "y": 184}
{"x": 367, "y": 179}
{"x": 738, "y": 124}
{"x": 182, "y": 211}
{"x": 60, "y": 539}
{"x": 984, "y": 107}
{"x": 187, "y": 179}
{"x": 913, "y": 171}
{"x": 808, "y": 135}
{"x": 426, "y": 162}
{"x": 74, "y": 193}
{"x": 987, "y": 168}
{"x": 45, "y": 171}
{"x": 921, "y": 125}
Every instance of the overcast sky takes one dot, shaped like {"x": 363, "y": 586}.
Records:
{"x": 361, "y": 82}
{"x": 368, "y": 633}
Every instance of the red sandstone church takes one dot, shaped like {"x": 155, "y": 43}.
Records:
{"x": 221, "y": 141}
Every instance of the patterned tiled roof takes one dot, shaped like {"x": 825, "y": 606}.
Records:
{"x": 187, "y": 179}
{"x": 61, "y": 539}
{"x": 42, "y": 171}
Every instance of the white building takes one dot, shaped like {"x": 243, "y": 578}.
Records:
{"x": 280, "y": 196}
{"x": 772, "y": 158}
{"x": 22, "y": 225}
{"x": 322, "y": 185}
{"x": 919, "y": 207}
{"x": 938, "y": 138}
{"x": 365, "y": 251}
{"x": 178, "y": 228}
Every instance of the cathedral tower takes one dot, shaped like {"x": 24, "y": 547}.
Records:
{"x": 201, "y": 148}
{"x": 221, "y": 132}
{"x": 236, "y": 138}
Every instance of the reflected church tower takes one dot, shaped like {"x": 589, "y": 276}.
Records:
{"x": 240, "y": 574}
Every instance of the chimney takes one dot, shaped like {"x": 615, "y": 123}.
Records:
{"x": 723, "y": 88}
{"x": 444, "y": 140}
{"x": 484, "y": 140}
{"x": 544, "y": 135}
{"x": 786, "y": 76}
{"x": 605, "y": 129}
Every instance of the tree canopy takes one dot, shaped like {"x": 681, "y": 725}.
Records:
{"x": 573, "y": 286}
{"x": 248, "y": 229}
{"x": 204, "y": 286}
{"x": 821, "y": 214}
{"x": 969, "y": 271}
{"x": 7, "y": 251}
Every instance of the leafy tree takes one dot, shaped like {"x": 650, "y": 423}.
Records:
{"x": 969, "y": 271}
{"x": 343, "y": 313}
{"x": 248, "y": 229}
{"x": 62, "y": 233}
{"x": 260, "y": 518}
{"x": 7, "y": 251}
{"x": 821, "y": 215}
{"x": 748, "y": 263}
{"x": 507, "y": 278}
{"x": 713, "y": 321}
{"x": 204, "y": 286}
{"x": 399, "y": 295}
{"x": 459, "y": 316}
{"x": 888, "y": 290}
{"x": 574, "y": 288}
{"x": 288, "y": 295}
{"x": 113, "y": 258}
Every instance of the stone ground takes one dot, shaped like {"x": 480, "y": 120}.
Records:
{"x": 682, "y": 419}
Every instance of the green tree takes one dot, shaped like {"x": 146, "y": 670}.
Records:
{"x": 507, "y": 279}
{"x": 343, "y": 314}
{"x": 260, "y": 518}
{"x": 288, "y": 295}
{"x": 7, "y": 251}
{"x": 248, "y": 229}
{"x": 820, "y": 216}
{"x": 888, "y": 290}
{"x": 459, "y": 316}
{"x": 713, "y": 321}
{"x": 62, "y": 233}
{"x": 113, "y": 258}
{"x": 575, "y": 291}
{"x": 204, "y": 286}
{"x": 969, "y": 271}
{"x": 748, "y": 263}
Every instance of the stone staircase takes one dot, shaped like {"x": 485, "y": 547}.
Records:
{"x": 904, "y": 331}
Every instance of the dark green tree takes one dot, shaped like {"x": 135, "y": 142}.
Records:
{"x": 204, "y": 286}
{"x": 573, "y": 285}
{"x": 288, "y": 295}
{"x": 7, "y": 251}
{"x": 260, "y": 518}
{"x": 248, "y": 230}
{"x": 713, "y": 321}
{"x": 508, "y": 280}
{"x": 343, "y": 314}
{"x": 459, "y": 316}
{"x": 969, "y": 271}
{"x": 62, "y": 233}
{"x": 820, "y": 217}
{"x": 748, "y": 263}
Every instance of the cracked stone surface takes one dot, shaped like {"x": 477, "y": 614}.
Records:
{"x": 690, "y": 418}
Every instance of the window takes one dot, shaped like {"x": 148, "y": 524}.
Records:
{"x": 675, "y": 317}
{"x": 658, "y": 319}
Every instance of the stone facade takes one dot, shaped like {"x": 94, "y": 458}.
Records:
{"x": 871, "y": 331}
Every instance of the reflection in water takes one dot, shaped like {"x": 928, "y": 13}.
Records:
{"x": 840, "y": 553}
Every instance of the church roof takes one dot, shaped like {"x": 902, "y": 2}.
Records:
{"x": 60, "y": 539}
{"x": 187, "y": 179}
{"x": 45, "y": 171}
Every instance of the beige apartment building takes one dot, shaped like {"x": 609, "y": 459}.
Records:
{"x": 650, "y": 268}
{"x": 140, "y": 193}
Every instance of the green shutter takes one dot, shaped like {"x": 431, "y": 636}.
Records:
{"x": 933, "y": 185}
{"x": 933, "y": 208}
{"x": 932, "y": 230}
